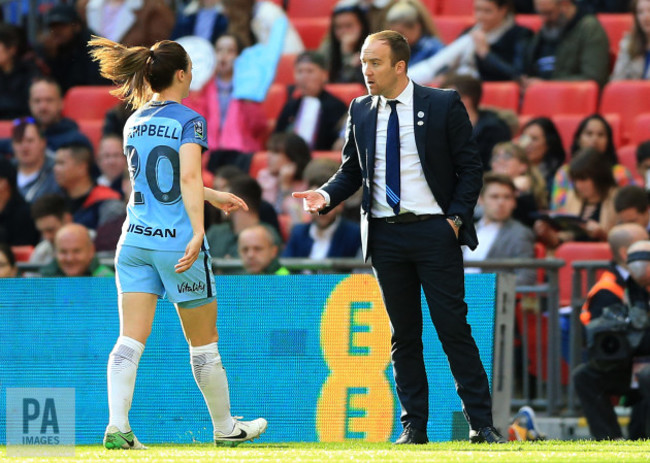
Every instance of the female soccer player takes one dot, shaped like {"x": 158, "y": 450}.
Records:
{"x": 162, "y": 248}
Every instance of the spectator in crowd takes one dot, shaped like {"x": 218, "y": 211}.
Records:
{"x": 233, "y": 124}
{"x": 252, "y": 21}
{"x": 531, "y": 195}
{"x": 592, "y": 132}
{"x": 631, "y": 205}
{"x": 591, "y": 200}
{"x": 328, "y": 235}
{"x": 16, "y": 72}
{"x": 129, "y": 22}
{"x": 222, "y": 237}
{"x": 633, "y": 59}
{"x": 493, "y": 49}
{"x": 202, "y": 18}
{"x": 16, "y": 225}
{"x": 411, "y": 19}
{"x": 597, "y": 379}
{"x": 75, "y": 255}
{"x": 46, "y": 106}
{"x": 259, "y": 253}
{"x": 606, "y": 6}
{"x": 311, "y": 111}
{"x": 64, "y": 50}
{"x": 543, "y": 145}
{"x": 571, "y": 45}
{"x": 8, "y": 267}
{"x": 342, "y": 46}
{"x": 90, "y": 205}
{"x": 111, "y": 162}
{"x": 499, "y": 235}
{"x": 375, "y": 12}
{"x": 643, "y": 162}
{"x": 287, "y": 158}
{"x": 116, "y": 118}
{"x": 49, "y": 214}
{"x": 35, "y": 167}
{"x": 222, "y": 181}
{"x": 488, "y": 128}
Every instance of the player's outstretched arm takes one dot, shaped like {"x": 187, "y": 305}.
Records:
{"x": 227, "y": 202}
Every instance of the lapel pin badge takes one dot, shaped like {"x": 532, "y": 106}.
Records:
{"x": 421, "y": 114}
{"x": 420, "y": 123}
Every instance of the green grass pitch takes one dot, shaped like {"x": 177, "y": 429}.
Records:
{"x": 447, "y": 452}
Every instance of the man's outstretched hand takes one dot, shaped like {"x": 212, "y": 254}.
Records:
{"x": 311, "y": 200}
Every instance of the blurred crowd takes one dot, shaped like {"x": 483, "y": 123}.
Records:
{"x": 551, "y": 175}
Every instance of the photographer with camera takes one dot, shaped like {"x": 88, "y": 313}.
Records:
{"x": 618, "y": 335}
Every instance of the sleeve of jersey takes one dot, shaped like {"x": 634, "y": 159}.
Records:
{"x": 196, "y": 131}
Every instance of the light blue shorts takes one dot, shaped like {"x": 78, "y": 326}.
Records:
{"x": 139, "y": 270}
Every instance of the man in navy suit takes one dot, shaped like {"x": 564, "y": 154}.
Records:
{"x": 411, "y": 150}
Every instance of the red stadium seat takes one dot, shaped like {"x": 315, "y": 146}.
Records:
{"x": 531, "y": 21}
{"x": 641, "y": 128}
{"x": 312, "y": 31}
{"x": 22, "y": 253}
{"x": 310, "y": 9}
{"x": 433, "y": 6}
{"x": 457, "y": 8}
{"x": 501, "y": 95}
{"x": 574, "y": 250}
{"x": 346, "y": 92}
{"x": 566, "y": 125}
{"x": 616, "y": 25}
{"x": 333, "y": 155}
{"x": 88, "y": 102}
{"x": 274, "y": 101}
{"x": 450, "y": 27}
{"x": 284, "y": 72}
{"x": 258, "y": 162}
{"x": 628, "y": 98}
{"x": 92, "y": 129}
{"x": 561, "y": 97}
{"x": 5, "y": 128}
{"x": 627, "y": 157}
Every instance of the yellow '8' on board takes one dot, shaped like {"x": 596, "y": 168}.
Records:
{"x": 356, "y": 401}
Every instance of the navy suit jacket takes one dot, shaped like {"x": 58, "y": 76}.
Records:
{"x": 346, "y": 241}
{"x": 448, "y": 154}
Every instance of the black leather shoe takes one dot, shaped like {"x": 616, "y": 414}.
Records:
{"x": 487, "y": 434}
{"x": 411, "y": 435}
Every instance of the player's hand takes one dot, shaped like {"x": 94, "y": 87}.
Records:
{"x": 313, "y": 201}
{"x": 453, "y": 227}
{"x": 191, "y": 253}
{"x": 227, "y": 202}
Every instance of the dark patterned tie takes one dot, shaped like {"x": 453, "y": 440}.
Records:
{"x": 392, "y": 158}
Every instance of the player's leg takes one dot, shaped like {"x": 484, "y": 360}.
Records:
{"x": 136, "y": 312}
{"x": 199, "y": 325}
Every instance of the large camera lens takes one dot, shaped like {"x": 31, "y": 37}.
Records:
{"x": 610, "y": 345}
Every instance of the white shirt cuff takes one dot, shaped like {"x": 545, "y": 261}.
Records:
{"x": 325, "y": 195}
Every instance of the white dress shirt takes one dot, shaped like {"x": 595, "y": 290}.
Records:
{"x": 487, "y": 234}
{"x": 415, "y": 194}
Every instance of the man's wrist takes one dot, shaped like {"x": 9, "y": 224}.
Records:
{"x": 325, "y": 195}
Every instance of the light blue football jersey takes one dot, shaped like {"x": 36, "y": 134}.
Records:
{"x": 156, "y": 216}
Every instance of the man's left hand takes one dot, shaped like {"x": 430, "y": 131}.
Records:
{"x": 456, "y": 230}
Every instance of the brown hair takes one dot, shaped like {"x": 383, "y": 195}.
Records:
{"x": 465, "y": 85}
{"x": 590, "y": 164}
{"x": 638, "y": 40}
{"x": 501, "y": 179}
{"x": 423, "y": 16}
{"x": 399, "y": 46}
{"x": 138, "y": 71}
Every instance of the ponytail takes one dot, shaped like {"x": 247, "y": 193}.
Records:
{"x": 138, "y": 71}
